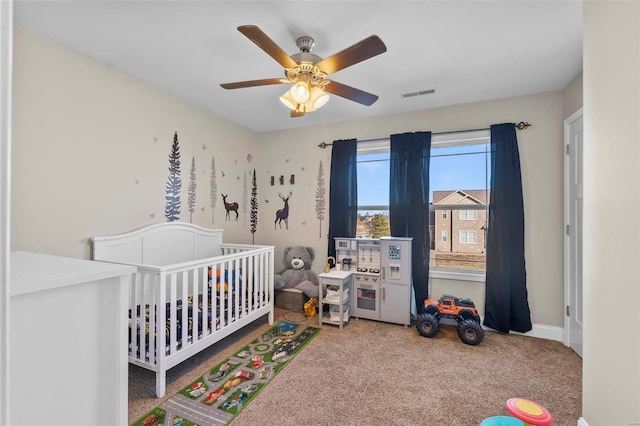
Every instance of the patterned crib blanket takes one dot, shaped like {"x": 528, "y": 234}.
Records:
{"x": 140, "y": 323}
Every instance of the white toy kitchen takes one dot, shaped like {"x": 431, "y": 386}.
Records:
{"x": 380, "y": 279}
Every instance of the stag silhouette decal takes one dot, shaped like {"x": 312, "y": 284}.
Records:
{"x": 283, "y": 213}
{"x": 230, "y": 207}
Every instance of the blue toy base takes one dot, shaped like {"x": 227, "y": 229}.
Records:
{"x": 501, "y": 421}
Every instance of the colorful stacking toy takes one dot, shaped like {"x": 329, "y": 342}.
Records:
{"x": 525, "y": 412}
{"x": 531, "y": 413}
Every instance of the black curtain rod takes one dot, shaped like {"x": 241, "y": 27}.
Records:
{"x": 520, "y": 126}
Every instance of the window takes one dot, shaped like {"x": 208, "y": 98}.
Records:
{"x": 467, "y": 215}
{"x": 373, "y": 189}
{"x": 467, "y": 237}
{"x": 459, "y": 181}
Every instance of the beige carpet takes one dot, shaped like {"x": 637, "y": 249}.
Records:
{"x": 374, "y": 373}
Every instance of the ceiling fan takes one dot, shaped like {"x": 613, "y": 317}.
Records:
{"x": 308, "y": 72}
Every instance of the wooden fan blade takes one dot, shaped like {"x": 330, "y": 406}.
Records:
{"x": 351, "y": 93}
{"x": 263, "y": 41}
{"x": 295, "y": 114}
{"x": 253, "y": 83}
{"x": 365, "y": 49}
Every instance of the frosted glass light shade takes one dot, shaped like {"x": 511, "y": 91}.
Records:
{"x": 318, "y": 97}
{"x": 288, "y": 101}
{"x": 300, "y": 92}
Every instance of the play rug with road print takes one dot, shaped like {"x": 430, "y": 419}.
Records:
{"x": 217, "y": 396}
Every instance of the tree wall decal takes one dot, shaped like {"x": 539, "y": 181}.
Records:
{"x": 174, "y": 183}
{"x": 254, "y": 207}
{"x": 191, "y": 196}
{"x": 320, "y": 197}
{"x": 213, "y": 190}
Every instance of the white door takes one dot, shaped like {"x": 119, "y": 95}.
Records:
{"x": 573, "y": 232}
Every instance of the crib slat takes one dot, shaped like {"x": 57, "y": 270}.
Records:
{"x": 252, "y": 283}
{"x": 159, "y": 319}
{"x": 184, "y": 317}
{"x": 134, "y": 317}
{"x": 205, "y": 301}
{"x": 173, "y": 284}
{"x": 260, "y": 279}
{"x": 237, "y": 300}
{"x": 213, "y": 301}
{"x": 224, "y": 302}
{"x": 243, "y": 288}
{"x": 193, "y": 306}
{"x": 247, "y": 280}
{"x": 138, "y": 305}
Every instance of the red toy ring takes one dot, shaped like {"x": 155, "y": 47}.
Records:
{"x": 529, "y": 412}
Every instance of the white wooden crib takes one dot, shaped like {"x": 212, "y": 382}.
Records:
{"x": 190, "y": 290}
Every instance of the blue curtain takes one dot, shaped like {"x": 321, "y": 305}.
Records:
{"x": 506, "y": 304}
{"x": 343, "y": 192}
{"x": 409, "y": 202}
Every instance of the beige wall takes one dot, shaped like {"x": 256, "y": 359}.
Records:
{"x": 572, "y": 97}
{"x": 611, "y": 366}
{"x": 470, "y": 289}
{"x": 91, "y": 147}
{"x": 84, "y": 134}
{"x": 541, "y": 151}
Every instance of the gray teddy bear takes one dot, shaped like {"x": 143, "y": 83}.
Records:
{"x": 298, "y": 273}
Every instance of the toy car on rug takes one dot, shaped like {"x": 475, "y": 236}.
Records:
{"x": 462, "y": 310}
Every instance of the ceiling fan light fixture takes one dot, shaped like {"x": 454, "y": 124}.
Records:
{"x": 318, "y": 98}
{"x": 300, "y": 92}
{"x": 288, "y": 101}
{"x": 307, "y": 72}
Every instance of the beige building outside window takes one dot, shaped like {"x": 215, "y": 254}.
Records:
{"x": 468, "y": 250}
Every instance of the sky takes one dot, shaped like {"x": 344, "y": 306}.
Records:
{"x": 451, "y": 168}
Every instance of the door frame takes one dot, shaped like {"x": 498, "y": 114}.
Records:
{"x": 567, "y": 240}
{"x": 6, "y": 65}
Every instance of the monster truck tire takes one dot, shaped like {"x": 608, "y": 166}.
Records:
{"x": 428, "y": 325}
{"x": 433, "y": 310}
{"x": 470, "y": 332}
{"x": 466, "y": 314}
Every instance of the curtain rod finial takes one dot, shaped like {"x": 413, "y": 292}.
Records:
{"x": 323, "y": 145}
{"x": 522, "y": 125}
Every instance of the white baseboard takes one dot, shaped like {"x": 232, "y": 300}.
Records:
{"x": 544, "y": 332}
{"x": 540, "y": 331}
{"x": 582, "y": 422}
{"x": 537, "y": 330}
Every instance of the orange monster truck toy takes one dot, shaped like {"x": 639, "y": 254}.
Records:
{"x": 462, "y": 310}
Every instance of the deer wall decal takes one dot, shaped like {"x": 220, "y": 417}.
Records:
{"x": 283, "y": 213}
{"x": 230, "y": 207}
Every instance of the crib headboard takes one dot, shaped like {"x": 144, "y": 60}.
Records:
{"x": 161, "y": 244}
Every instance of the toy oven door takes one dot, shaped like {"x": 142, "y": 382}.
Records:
{"x": 366, "y": 303}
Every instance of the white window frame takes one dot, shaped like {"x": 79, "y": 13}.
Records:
{"x": 467, "y": 214}
{"x": 466, "y": 239}
{"x": 444, "y": 214}
{"x": 445, "y": 236}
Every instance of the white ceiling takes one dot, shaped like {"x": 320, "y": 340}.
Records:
{"x": 467, "y": 51}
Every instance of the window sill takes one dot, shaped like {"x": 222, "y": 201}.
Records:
{"x": 457, "y": 275}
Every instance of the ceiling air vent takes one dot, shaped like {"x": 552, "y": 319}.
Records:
{"x": 420, "y": 93}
